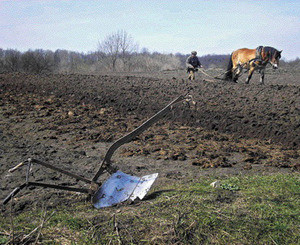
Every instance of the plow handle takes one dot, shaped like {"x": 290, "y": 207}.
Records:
{"x": 127, "y": 138}
{"x": 59, "y": 187}
{"x": 13, "y": 193}
{"x": 16, "y": 167}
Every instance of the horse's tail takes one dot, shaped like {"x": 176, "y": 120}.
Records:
{"x": 228, "y": 74}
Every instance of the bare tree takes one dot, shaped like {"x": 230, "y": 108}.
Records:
{"x": 127, "y": 49}
{"x": 116, "y": 46}
{"x": 38, "y": 61}
{"x": 12, "y": 60}
{"x": 2, "y": 60}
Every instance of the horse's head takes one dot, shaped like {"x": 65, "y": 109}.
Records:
{"x": 272, "y": 56}
{"x": 274, "y": 60}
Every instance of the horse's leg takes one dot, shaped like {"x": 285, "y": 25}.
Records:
{"x": 236, "y": 72}
{"x": 234, "y": 63}
{"x": 262, "y": 76}
{"x": 235, "y": 77}
{"x": 251, "y": 70}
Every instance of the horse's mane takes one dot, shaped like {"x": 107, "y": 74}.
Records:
{"x": 271, "y": 51}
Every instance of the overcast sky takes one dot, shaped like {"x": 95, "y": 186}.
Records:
{"x": 209, "y": 27}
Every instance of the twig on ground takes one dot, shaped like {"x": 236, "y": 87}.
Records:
{"x": 38, "y": 227}
{"x": 273, "y": 240}
{"x": 43, "y": 218}
{"x": 12, "y": 234}
{"x": 12, "y": 220}
{"x": 116, "y": 228}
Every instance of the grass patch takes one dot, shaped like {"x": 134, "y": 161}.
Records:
{"x": 249, "y": 210}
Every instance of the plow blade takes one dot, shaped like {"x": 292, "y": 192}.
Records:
{"x": 121, "y": 187}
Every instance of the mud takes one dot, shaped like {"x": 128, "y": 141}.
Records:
{"x": 71, "y": 120}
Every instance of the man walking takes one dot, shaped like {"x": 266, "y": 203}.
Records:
{"x": 192, "y": 64}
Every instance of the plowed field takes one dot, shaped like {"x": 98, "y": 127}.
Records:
{"x": 71, "y": 120}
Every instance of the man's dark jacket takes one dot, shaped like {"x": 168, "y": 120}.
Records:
{"x": 192, "y": 62}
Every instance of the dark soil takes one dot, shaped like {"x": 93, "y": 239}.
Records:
{"x": 71, "y": 120}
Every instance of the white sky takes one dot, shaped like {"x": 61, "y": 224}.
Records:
{"x": 210, "y": 27}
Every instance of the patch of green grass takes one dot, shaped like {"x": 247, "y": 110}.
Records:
{"x": 230, "y": 187}
{"x": 3, "y": 240}
{"x": 262, "y": 210}
{"x": 72, "y": 222}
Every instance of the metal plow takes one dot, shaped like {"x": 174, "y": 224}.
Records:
{"x": 119, "y": 187}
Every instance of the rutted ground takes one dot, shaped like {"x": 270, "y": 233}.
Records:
{"x": 71, "y": 120}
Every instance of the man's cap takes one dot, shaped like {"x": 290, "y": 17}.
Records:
{"x": 194, "y": 52}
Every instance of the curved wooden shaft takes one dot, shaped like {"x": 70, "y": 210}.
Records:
{"x": 127, "y": 138}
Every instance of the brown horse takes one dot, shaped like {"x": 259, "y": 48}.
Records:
{"x": 251, "y": 59}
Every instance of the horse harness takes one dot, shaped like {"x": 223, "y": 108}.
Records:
{"x": 259, "y": 61}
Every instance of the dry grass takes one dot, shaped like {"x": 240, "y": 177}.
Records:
{"x": 262, "y": 210}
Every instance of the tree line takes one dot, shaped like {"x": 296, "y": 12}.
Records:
{"x": 64, "y": 61}
{"x": 118, "y": 52}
